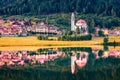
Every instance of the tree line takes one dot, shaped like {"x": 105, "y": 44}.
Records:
{"x": 40, "y": 7}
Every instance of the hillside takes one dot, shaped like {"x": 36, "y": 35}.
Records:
{"x": 63, "y": 20}
{"x": 42, "y": 7}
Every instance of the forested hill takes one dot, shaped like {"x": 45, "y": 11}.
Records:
{"x": 99, "y": 7}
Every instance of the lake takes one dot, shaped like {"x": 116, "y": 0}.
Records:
{"x": 60, "y": 63}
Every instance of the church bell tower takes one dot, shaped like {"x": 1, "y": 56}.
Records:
{"x": 73, "y": 22}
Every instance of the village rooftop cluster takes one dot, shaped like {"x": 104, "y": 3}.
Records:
{"x": 12, "y": 27}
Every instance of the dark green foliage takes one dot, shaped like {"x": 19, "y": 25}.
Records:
{"x": 106, "y": 48}
{"x": 42, "y": 37}
{"x": 88, "y": 49}
{"x": 63, "y": 37}
{"x": 44, "y": 33}
{"x": 60, "y": 69}
{"x": 106, "y": 40}
{"x": 99, "y": 7}
{"x": 77, "y": 30}
{"x": 75, "y": 38}
{"x": 32, "y": 53}
{"x": 100, "y": 53}
{"x": 62, "y": 20}
{"x": 91, "y": 30}
{"x": 69, "y": 32}
{"x": 100, "y": 33}
{"x": 104, "y": 13}
{"x": 40, "y": 50}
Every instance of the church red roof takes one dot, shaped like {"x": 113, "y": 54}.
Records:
{"x": 81, "y": 21}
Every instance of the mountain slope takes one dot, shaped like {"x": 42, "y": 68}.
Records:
{"x": 99, "y": 7}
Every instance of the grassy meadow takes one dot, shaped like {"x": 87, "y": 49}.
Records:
{"x": 33, "y": 41}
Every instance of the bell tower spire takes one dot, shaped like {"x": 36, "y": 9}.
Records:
{"x": 73, "y": 22}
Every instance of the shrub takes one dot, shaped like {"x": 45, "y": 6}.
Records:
{"x": 42, "y": 37}
{"x": 39, "y": 37}
{"x": 105, "y": 40}
{"x": 69, "y": 33}
{"x": 75, "y": 38}
{"x": 100, "y": 33}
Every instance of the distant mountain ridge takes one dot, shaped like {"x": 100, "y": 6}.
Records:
{"x": 39, "y": 7}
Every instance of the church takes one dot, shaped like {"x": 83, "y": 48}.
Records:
{"x": 81, "y": 24}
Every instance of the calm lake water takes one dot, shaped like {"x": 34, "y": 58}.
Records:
{"x": 69, "y": 63}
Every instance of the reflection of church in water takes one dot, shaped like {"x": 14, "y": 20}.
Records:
{"x": 80, "y": 62}
{"x": 81, "y": 24}
{"x": 80, "y": 59}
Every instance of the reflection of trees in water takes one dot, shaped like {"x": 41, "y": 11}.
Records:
{"x": 91, "y": 60}
{"x": 59, "y": 69}
{"x": 68, "y": 51}
{"x": 100, "y": 53}
{"x": 40, "y": 74}
{"x": 46, "y": 51}
{"x": 106, "y": 48}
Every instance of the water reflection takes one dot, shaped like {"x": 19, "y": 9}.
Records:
{"x": 105, "y": 54}
{"x": 73, "y": 63}
{"x": 81, "y": 61}
{"x": 20, "y": 58}
{"x": 73, "y": 59}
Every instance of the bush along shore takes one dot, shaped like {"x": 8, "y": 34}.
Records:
{"x": 75, "y": 37}
{"x": 68, "y": 38}
{"x": 106, "y": 42}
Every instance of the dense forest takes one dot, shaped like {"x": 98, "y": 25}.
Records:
{"x": 103, "y": 13}
{"x": 41, "y": 7}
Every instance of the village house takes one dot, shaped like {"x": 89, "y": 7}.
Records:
{"x": 30, "y": 26}
{"x": 117, "y": 31}
{"x": 15, "y": 24}
{"x": 114, "y": 53}
{"x": 4, "y": 31}
{"x": 1, "y": 30}
{"x": 1, "y": 21}
{"x": 43, "y": 27}
{"x": 13, "y": 27}
{"x": 60, "y": 31}
{"x": 105, "y": 31}
{"x": 52, "y": 30}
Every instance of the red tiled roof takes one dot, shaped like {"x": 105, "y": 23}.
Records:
{"x": 1, "y": 21}
{"x": 5, "y": 31}
{"x": 81, "y": 21}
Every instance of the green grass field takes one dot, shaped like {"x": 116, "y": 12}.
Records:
{"x": 33, "y": 41}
